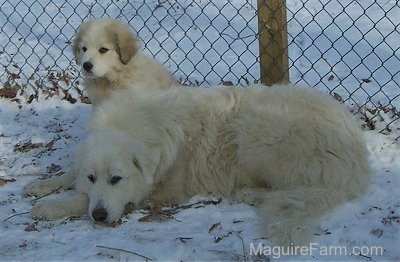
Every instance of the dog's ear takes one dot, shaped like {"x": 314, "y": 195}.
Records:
{"x": 147, "y": 165}
{"x": 78, "y": 38}
{"x": 125, "y": 42}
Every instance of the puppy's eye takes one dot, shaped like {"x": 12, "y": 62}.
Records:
{"x": 91, "y": 178}
{"x": 103, "y": 50}
{"x": 84, "y": 49}
{"x": 115, "y": 179}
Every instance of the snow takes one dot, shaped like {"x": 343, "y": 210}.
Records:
{"x": 39, "y": 136}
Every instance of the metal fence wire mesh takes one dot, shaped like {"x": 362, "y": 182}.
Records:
{"x": 348, "y": 48}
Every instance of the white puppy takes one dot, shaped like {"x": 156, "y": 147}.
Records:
{"x": 294, "y": 152}
{"x": 109, "y": 55}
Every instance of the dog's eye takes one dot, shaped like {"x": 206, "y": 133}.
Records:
{"x": 115, "y": 179}
{"x": 84, "y": 49}
{"x": 91, "y": 178}
{"x": 103, "y": 50}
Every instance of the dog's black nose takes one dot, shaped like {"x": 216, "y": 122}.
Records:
{"x": 87, "y": 66}
{"x": 99, "y": 214}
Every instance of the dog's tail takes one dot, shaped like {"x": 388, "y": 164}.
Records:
{"x": 289, "y": 216}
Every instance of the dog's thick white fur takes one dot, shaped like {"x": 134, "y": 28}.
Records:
{"x": 294, "y": 152}
{"x": 108, "y": 52}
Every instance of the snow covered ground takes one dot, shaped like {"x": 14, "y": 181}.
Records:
{"x": 39, "y": 131}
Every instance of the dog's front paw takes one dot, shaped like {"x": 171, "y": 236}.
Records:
{"x": 62, "y": 206}
{"x": 47, "y": 211}
{"x": 39, "y": 188}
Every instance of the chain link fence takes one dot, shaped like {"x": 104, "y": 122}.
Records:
{"x": 348, "y": 48}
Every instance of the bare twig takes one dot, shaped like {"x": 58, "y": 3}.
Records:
{"x": 55, "y": 190}
{"x": 178, "y": 208}
{"x": 220, "y": 238}
{"x": 126, "y": 251}
{"x": 243, "y": 248}
{"x": 184, "y": 239}
{"x": 367, "y": 257}
{"x": 19, "y": 214}
{"x": 157, "y": 213}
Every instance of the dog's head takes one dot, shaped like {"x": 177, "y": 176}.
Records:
{"x": 102, "y": 46}
{"x": 114, "y": 172}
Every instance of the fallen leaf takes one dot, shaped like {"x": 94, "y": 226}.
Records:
{"x": 53, "y": 168}
{"x": 227, "y": 83}
{"x": 27, "y": 146}
{"x": 4, "y": 181}
{"x": 150, "y": 217}
{"x": 10, "y": 92}
{"x": 85, "y": 100}
{"x": 32, "y": 227}
{"x": 213, "y": 227}
{"x": 337, "y": 97}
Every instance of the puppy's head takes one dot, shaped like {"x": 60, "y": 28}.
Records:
{"x": 114, "y": 172}
{"x": 102, "y": 46}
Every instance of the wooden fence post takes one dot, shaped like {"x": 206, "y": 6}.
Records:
{"x": 272, "y": 20}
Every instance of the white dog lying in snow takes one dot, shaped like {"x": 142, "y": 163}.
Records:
{"x": 294, "y": 152}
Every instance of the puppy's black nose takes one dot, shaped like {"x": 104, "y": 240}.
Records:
{"x": 87, "y": 66}
{"x": 99, "y": 214}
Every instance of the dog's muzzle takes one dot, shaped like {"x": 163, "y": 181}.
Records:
{"x": 99, "y": 214}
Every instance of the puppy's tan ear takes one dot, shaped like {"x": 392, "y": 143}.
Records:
{"x": 78, "y": 38}
{"x": 126, "y": 42}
